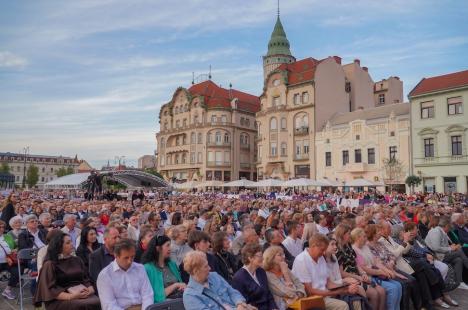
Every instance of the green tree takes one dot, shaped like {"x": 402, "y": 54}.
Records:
{"x": 153, "y": 172}
{"x": 4, "y": 168}
{"x": 393, "y": 171}
{"x": 62, "y": 171}
{"x": 412, "y": 181}
{"x": 32, "y": 176}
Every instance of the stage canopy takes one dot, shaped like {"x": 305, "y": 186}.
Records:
{"x": 129, "y": 178}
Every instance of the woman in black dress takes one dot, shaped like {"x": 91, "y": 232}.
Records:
{"x": 63, "y": 280}
{"x": 88, "y": 244}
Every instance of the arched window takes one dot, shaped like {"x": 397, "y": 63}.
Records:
{"x": 226, "y": 138}
{"x": 273, "y": 124}
{"x": 283, "y": 148}
{"x": 301, "y": 121}
{"x": 283, "y": 123}
{"x": 305, "y": 121}
{"x": 218, "y": 137}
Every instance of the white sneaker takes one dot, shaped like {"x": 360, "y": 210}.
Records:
{"x": 463, "y": 286}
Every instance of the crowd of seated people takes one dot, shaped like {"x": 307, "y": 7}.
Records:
{"x": 216, "y": 252}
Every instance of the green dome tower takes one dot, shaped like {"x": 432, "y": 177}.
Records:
{"x": 278, "y": 50}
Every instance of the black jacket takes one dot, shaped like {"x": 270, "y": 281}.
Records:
{"x": 7, "y": 213}
{"x": 26, "y": 239}
{"x": 226, "y": 264}
{"x": 83, "y": 252}
{"x": 99, "y": 260}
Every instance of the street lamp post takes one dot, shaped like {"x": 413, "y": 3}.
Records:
{"x": 25, "y": 152}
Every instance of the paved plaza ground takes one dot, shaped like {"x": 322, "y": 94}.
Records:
{"x": 459, "y": 295}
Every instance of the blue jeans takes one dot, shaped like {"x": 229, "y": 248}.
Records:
{"x": 393, "y": 290}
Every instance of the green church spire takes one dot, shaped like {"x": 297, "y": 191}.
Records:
{"x": 279, "y": 44}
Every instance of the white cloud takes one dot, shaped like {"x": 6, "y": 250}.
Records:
{"x": 10, "y": 60}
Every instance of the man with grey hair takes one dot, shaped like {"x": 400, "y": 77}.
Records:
{"x": 70, "y": 228}
{"x": 450, "y": 253}
{"x": 459, "y": 233}
{"x": 32, "y": 236}
{"x": 45, "y": 221}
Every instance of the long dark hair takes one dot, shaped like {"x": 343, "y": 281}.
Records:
{"x": 84, "y": 238}
{"x": 55, "y": 246}
{"x": 152, "y": 253}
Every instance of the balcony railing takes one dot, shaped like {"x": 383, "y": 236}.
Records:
{"x": 220, "y": 144}
{"x": 441, "y": 160}
{"x": 355, "y": 167}
{"x": 245, "y": 146}
{"x": 301, "y": 131}
{"x": 217, "y": 164}
{"x": 298, "y": 157}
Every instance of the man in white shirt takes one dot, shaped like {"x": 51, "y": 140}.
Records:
{"x": 293, "y": 242}
{"x": 321, "y": 222}
{"x": 71, "y": 229}
{"x": 311, "y": 269}
{"x": 264, "y": 212}
{"x": 124, "y": 283}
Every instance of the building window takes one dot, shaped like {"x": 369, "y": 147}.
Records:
{"x": 283, "y": 123}
{"x": 298, "y": 149}
{"x": 296, "y": 99}
{"x": 227, "y": 157}
{"x": 348, "y": 87}
{"x": 381, "y": 98}
{"x": 223, "y": 119}
{"x": 456, "y": 145}
{"x": 427, "y": 109}
{"x": 184, "y": 158}
{"x": 276, "y": 82}
{"x": 184, "y": 140}
{"x": 455, "y": 105}
{"x": 208, "y": 138}
{"x": 357, "y": 156}
{"x": 218, "y": 137}
{"x": 429, "y": 147}
{"x": 168, "y": 159}
{"x": 210, "y": 157}
{"x": 199, "y": 157}
{"x": 273, "y": 124}
{"x": 242, "y": 121}
{"x": 392, "y": 134}
{"x": 273, "y": 150}
{"x": 192, "y": 157}
{"x": 184, "y": 122}
{"x": 213, "y": 119}
{"x": 283, "y": 149}
{"x": 226, "y": 138}
{"x": 393, "y": 152}
{"x": 276, "y": 101}
{"x": 358, "y": 137}
{"x": 305, "y": 97}
{"x": 199, "y": 138}
{"x": 328, "y": 159}
{"x": 177, "y": 124}
{"x": 345, "y": 157}
{"x": 371, "y": 156}
{"x": 306, "y": 147}
{"x": 193, "y": 138}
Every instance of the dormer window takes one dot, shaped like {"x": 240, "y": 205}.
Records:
{"x": 276, "y": 82}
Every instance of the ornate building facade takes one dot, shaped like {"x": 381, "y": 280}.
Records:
{"x": 300, "y": 96}
{"x": 439, "y": 132}
{"x": 207, "y": 133}
{"x": 357, "y": 144}
{"x": 48, "y": 166}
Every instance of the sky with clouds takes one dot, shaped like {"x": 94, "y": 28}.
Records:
{"x": 88, "y": 77}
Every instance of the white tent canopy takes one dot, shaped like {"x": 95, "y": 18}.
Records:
{"x": 300, "y": 182}
{"x": 360, "y": 183}
{"x": 269, "y": 183}
{"x": 212, "y": 183}
{"x": 327, "y": 182}
{"x": 241, "y": 183}
{"x": 72, "y": 181}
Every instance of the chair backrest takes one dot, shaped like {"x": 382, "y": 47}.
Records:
{"x": 26, "y": 254}
{"x": 169, "y": 304}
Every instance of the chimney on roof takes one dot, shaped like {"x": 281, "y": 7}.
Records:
{"x": 230, "y": 90}
{"x": 365, "y": 69}
{"x": 193, "y": 78}
{"x": 337, "y": 59}
{"x": 357, "y": 61}
{"x": 209, "y": 75}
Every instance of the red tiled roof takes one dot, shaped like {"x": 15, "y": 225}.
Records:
{"x": 441, "y": 82}
{"x": 216, "y": 96}
{"x": 300, "y": 71}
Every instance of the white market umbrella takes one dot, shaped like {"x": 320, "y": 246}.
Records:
{"x": 360, "y": 183}
{"x": 269, "y": 183}
{"x": 300, "y": 182}
{"x": 211, "y": 183}
{"x": 186, "y": 185}
{"x": 327, "y": 182}
{"x": 241, "y": 183}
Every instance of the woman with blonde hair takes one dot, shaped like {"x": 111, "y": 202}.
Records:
{"x": 284, "y": 286}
